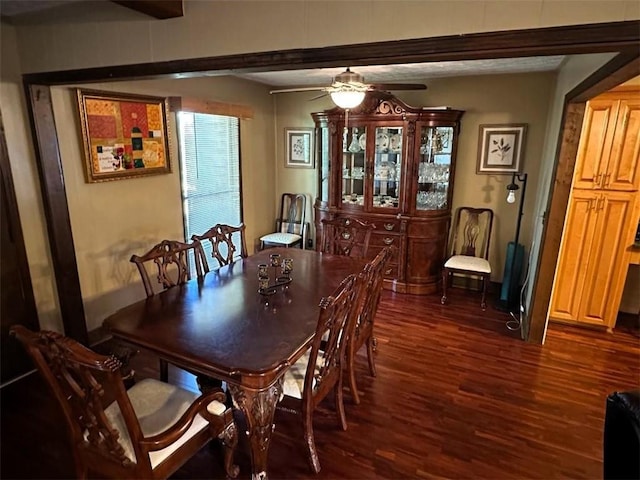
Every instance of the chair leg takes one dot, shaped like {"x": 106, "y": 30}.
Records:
{"x": 340, "y": 404}
{"x": 352, "y": 374}
{"x": 445, "y": 279}
{"x": 164, "y": 371}
{"x": 371, "y": 348}
{"x": 309, "y": 440}
{"x": 229, "y": 439}
{"x": 483, "y": 302}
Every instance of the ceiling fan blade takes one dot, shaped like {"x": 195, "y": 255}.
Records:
{"x": 319, "y": 96}
{"x": 398, "y": 86}
{"x": 301, "y": 89}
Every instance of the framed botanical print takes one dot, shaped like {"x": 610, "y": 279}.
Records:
{"x": 500, "y": 148}
{"x": 299, "y": 147}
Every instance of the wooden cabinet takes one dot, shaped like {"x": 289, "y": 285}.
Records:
{"x": 590, "y": 275}
{"x": 608, "y": 154}
{"x": 602, "y": 215}
{"x": 393, "y": 165}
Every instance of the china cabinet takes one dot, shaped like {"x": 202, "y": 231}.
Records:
{"x": 393, "y": 165}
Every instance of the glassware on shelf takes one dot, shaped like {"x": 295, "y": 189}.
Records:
{"x": 354, "y": 147}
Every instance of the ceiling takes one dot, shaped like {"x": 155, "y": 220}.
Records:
{"x": 26, "y": 12}
{"x": 408, "y": 72}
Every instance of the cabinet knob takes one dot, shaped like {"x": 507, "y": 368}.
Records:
{"x": 388, "y": 271}
{"x": 388, "y": 226}
{"x": 387, "y": 240}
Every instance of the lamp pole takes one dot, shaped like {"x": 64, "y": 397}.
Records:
{"x": 514, "y": 281}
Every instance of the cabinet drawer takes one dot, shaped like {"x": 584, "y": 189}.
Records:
{"x": 385, "y": 240}
{"x": 391, "y": 270}
{"x": 386, "y": 225}
{"x": 376, "y": 249}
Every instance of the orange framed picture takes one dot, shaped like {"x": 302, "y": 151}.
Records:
{"x": 124, "y": 135}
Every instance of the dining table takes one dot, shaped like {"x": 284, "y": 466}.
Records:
{"x": 222, "y": 326}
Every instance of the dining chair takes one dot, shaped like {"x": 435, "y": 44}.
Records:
{"x": 148, "y": 431}
{"x": 291, "y": 227}
{"x": 223, "y": 247}
{"x": 469, "y": 249}
{"x": 320, "y": 370}
{"x": 373, "y": 280}
{"x": 171, "y": 259}
{"x": 346, "y": 236}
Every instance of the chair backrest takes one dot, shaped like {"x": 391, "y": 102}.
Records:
{"x": 223, "y": 246}
{"x": 472, "y": 232}
{"x": 84, "y": 384}
{"x": 346, "y": 236}
{"x": 335, "y": 325}
{"x": 171, "y": 259}
{"x": 293, "y": 208}
{"x": 373, "y": 273}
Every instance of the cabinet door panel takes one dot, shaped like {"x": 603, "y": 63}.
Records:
{"x": 574, "y": 256}
{"x": 607, "y": 254}
{"x": 595, "y": 143}
{"x": 622, "y": 169}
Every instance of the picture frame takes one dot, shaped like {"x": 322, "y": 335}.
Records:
{"x": 299, "y": 148}
{"x": 124, "y": 135}
{"x": 501, "y": 148}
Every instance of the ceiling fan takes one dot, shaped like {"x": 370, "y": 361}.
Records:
{"x": 348, "y": 89}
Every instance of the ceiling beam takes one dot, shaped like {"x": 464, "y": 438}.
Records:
{"x": 160, "y": 9}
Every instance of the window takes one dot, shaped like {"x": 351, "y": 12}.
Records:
{"x": 210, "y": 172}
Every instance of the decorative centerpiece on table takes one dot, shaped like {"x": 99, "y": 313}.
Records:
{"x": 274, "y": 275}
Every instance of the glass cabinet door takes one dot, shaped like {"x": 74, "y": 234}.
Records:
{"x": 354, "y": 165}
{"x": 436, "y": 144}
{"x": 387, "y": 166}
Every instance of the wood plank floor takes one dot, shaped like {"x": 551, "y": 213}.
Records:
{"x": 457, "y": 395}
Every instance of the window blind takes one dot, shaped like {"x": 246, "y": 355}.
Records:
{"x": 210, "y": 173}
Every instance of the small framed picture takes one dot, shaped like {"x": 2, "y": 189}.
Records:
{"x": 501, "y": 148}
{"x": 299, "y": 147}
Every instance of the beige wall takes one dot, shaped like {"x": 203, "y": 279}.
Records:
{"x": 486, "y": 99}
{"x": 112, "y": 220}
{"x": 114, "y": 35}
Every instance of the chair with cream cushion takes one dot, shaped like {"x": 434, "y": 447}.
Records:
{"x": 291, "y": 227}
{"x": 319, "y": 370}
{"x": 149, "y": 431}
{"x": 470, "y": 248}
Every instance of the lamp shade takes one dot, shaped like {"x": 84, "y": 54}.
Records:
{"x": 347, "y": 99}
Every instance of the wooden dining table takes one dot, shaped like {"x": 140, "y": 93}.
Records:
{"x": 221, "y": 326}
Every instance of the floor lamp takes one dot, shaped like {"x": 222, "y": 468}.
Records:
{"x": 509, "y": 298}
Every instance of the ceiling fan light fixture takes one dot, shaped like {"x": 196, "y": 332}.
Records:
{"x": 347, "y": 99}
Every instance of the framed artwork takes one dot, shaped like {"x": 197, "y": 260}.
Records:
{"x": 500, "y": 148}
{"x": 299, "y": 147}
{"x": 124, "y": 136}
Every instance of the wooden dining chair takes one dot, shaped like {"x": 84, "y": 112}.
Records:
{"x": 346, "y": 236}
{"x": 221, "y": 239}
{"x": 291, "y": 226}
{"x": 171, "y": 259}
{"x": 320, "y": 370}
{"x": 148, "y": 431}
{"x": 469, "y": 249}
{"x": 373, "y": 278}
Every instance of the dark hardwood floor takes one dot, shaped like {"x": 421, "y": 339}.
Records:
{"x": 457, "y": 395}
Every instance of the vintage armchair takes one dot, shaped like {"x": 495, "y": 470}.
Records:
{"x": 346, "y": 236}
{"x": 149, "y": 431}
{"x": 320, "y": 370}
{"x": 373, "y": 274}
{"x": 469, "y": 251}
{"x": 291, "y": 227}
{"x": 223, "y": 246}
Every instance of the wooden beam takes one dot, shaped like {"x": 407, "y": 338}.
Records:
{"x": 56, "y": 209}
{"x": 160, "y": 9}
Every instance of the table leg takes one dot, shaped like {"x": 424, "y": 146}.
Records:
{"x": 259, "y": 407}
